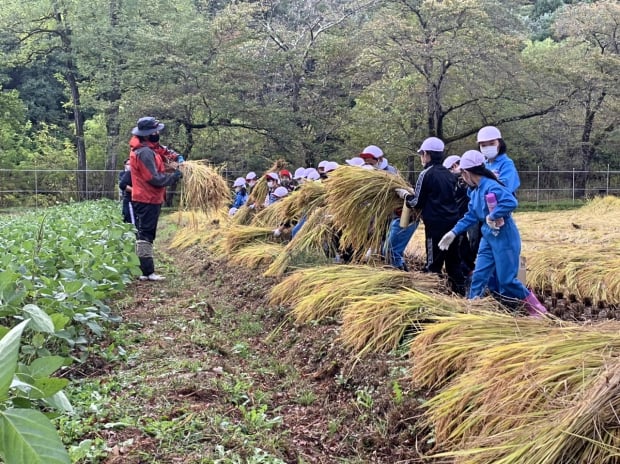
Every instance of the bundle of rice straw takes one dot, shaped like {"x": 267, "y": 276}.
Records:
{"x": 379, "y": 322}
{"x": 315, "y": 238}
{"x": 361, "y": 201}
{"x": 256, "y": 254}
{"x": 521, "y": 389}
{"x": 321, "y": 292}
{"x": 272, "y": 216}
{"x": 203, "y": 187}
{"x": 240, "y": 236}
{"x": 243, "y": 216}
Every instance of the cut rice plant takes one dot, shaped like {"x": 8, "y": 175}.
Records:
{"x": 273, "y": 215}
{"x": 256, "y": 254}
{"x": 316, "y": 237}
{"x": 240, "y": 236}
{"x": 508, "y": 384}
{"x": 203, "y": 187}
{"x": 243, "y": 216}
{"x": 321, "y": 292}
{"x": 361, "y": 202}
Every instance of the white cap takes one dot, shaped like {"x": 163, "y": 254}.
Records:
{"x": 355, "y": 161}
{"x": 383, "y": 164}
{"x": 450, "y": 160}
{"x": 280, "y": 192}
{"x": 273, "y": 176}
{"x": 312, "y": 174}
{"x": 432, "y": 144}
{"x": 488, "y": 133}
{"x": 250, "y": 175}
{"x": 373, "y": 150}
{"x": 367, "y": 166}
{"x": 232, "y": 211}
{"x": 472, "y": 158}
{"x": 330, "y": 166}
{"x": 300, "y": 173}
{"x": 322, "y": 164}
{"x": 239, "y": 182}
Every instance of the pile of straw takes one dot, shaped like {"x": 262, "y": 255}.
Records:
{"x": 240, "y": 236}
{"x": 203, "y": 187}
{"x": 361, "y": 201}
{"x": 256, "y": 254}
{"x": 520, "y": 389}
{"x": 576, "y": 251}
{"x": 321, "y": 292}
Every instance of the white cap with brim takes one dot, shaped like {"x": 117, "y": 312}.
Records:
{"x": 471, "y": 159}
{"x": 250, "y": 175}
{"x": 373, "y": 150}
{"x": 355, "y": 161}
{"x": 272, "y": 176}
{"x": 383, "y": 164}
{"x": 312, "y": 174}
{"x": 239, "y": 182}
{"x": 450, "y": 160}
{"x": 329, "y": 167}
{"x": 432, "y": 144}
{"x": 300, "y": 173}
{"x": 488, "y": 133}
{"x": 280, "y": 192}
{"x": 322, "y": 163}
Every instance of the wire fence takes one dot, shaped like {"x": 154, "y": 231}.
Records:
{"x": 41, "y": 188}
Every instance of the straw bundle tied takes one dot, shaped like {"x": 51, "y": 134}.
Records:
{"x": 520, "y": 389}
{"x": 203, "y": 187}
{"x": 239, "y": 236}
{"x": 256, "y": 254}
{"x": 321, "y": 292}
{"x": 379, "y": 322}
{"x": 314, "y": 239}
{"x": 361, "y": 201}
{"x": 575, "y": 252}
{"x": 272, "y": 215}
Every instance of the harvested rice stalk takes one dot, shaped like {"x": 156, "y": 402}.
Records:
{"x": 203, "y": 187}
{"x": 316, "y": 237}
{"x": 361, "y": 202}
{"x": 272, "y": 215}
{"x": 256, "y": 254}
{"x": 317, "y": 293}
{"x": 239, "y": 236}
{"x": 243, "y": 216}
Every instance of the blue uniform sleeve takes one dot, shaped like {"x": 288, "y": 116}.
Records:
{"x": 466, "y": 221}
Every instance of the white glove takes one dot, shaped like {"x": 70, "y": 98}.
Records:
{"x": 492, "y": 224}
{"x": 402, "y": 193}
{"x": 277, "y": 232}
{"x": 446, "y": 241}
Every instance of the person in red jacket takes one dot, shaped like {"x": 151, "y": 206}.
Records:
{"x": 148, "y": 160}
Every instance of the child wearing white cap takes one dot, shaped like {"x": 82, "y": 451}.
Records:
{"x": 501, "y": 243}
{"x": 241, "y": 193}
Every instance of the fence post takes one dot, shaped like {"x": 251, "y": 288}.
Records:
{"x": 537, "y": 184}
{"x": 573, "y": 185}
{"x": 608, "y": 175}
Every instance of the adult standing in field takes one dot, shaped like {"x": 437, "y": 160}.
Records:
{"x": 501, "y": 243}
{"x": 149, "y": 177}
{"x": 125, "y": 185}
{"x": 434, "y": 199}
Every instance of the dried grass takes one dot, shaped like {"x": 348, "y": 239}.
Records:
{"x": 203, "y": 187}
{"x": 240, "y": 236}
{"x": 256, "y": 254}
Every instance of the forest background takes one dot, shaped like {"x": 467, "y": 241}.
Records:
{"x": 247, "y": 82}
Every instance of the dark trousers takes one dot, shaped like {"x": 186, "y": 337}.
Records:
{"x": 147, "y": 216}
{"x": 436, "y": 258}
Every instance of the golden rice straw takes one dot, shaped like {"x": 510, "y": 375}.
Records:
{"x": 379, "y": 322}
{"x": 256, "y": 254}
{"x": 321, "y": 292}
{"x": 272, "y": 215}
{"x": 203, "y": 187}
{"x": 239, "y": 236}
{"x": 506, "y": 372}
{"x": 243, "y": 216}
{"x": 315, "y": 237}
{"x": 309, "y": 196}
{"x": 361, "y": 202}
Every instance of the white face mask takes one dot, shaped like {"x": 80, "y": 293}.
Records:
{"x": 252, "y": 183}
{"x": 489, "y": 152}
{"x": 237, "y": 189}
{"x": 269, "y": 183}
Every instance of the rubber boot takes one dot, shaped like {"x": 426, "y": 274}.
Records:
{"x": 534, "y": 307}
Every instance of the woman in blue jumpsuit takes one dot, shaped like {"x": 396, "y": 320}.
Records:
{"x": 500, "y": 246}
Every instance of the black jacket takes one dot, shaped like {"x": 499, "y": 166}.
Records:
{"x": 434, "y": 195}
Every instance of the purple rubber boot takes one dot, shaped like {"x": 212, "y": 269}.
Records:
{"x": 534, "y": 307}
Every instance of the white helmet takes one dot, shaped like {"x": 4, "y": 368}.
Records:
{"x": 239, "y": 182}
{"x": 488, "y": 133}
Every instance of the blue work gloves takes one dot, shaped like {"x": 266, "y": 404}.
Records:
{"x": 180, "y": 159}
